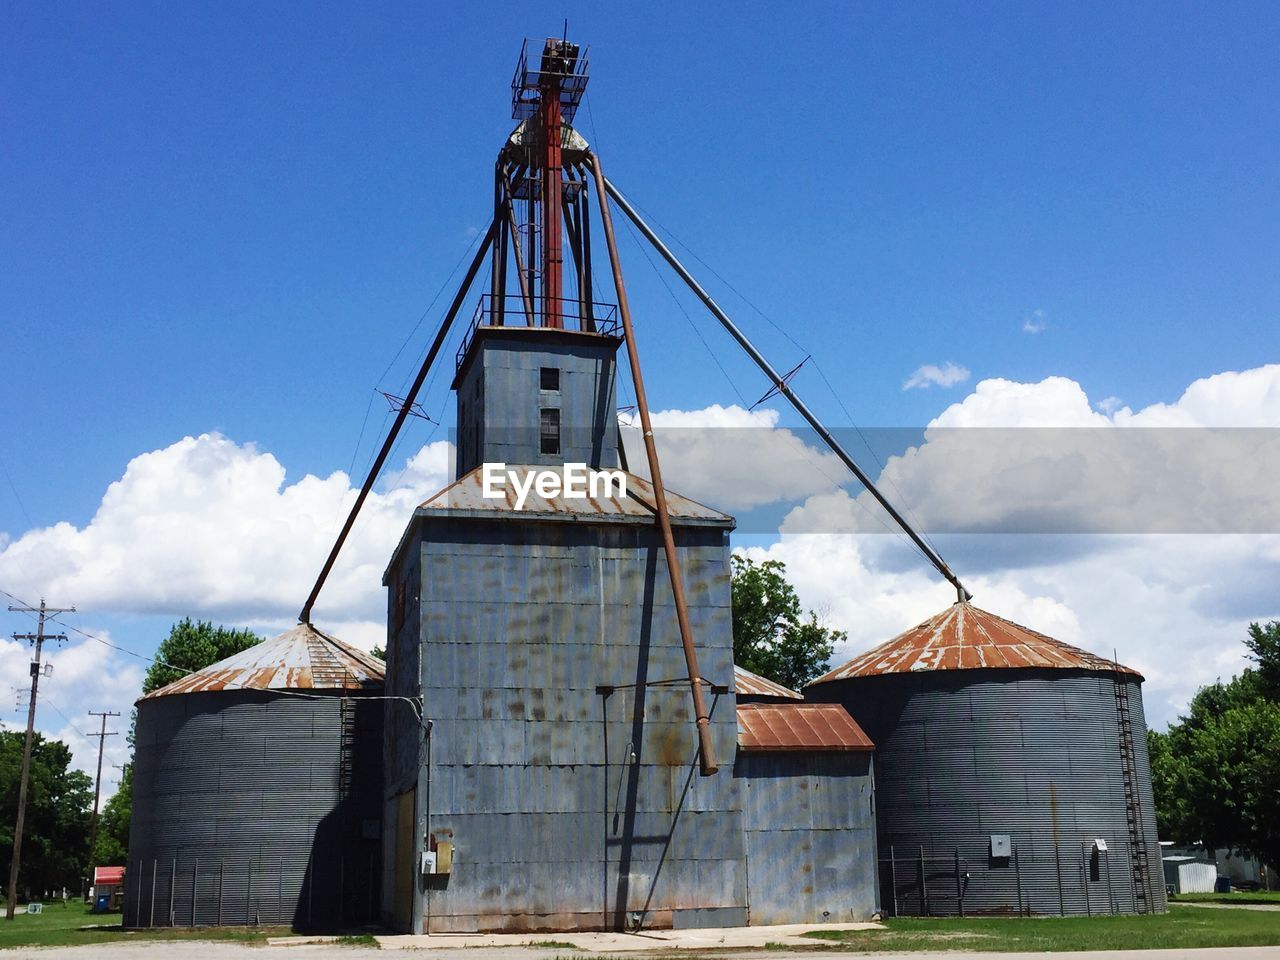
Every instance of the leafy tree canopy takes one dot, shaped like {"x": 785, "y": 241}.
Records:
{"x": 55, "y": 835}
{"x": 193, "y": 645}
{"x": 1264, "y": 650}
{"x": 771, "y": 635}
{"x": 112, "y": 848}
{"x": 1216, "y": 773}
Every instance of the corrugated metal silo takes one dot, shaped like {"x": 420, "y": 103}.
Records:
{"x": 1012, "y": 771}
{"x": 257, "y": 790}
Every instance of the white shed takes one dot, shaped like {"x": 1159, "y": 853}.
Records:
{"x": 1189, "y": 874}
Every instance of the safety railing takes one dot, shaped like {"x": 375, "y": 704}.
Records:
{"x": 491, "y": 311}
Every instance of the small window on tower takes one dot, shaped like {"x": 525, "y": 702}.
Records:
{"x": 550, "y": 378}
{"x": 549, "y": 430}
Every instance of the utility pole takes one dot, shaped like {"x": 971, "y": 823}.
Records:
{"x": 38, "y": 638}
{"x": 97, "y": 785}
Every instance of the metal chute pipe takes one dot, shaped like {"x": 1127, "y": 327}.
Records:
{"x": 706, "y": 752}
{"x": 784, "y": 388}
{"x": 441, "y": 336}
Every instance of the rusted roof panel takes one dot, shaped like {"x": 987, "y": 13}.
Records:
{"x": 107, "y": 876}
{"x": 775, "y": 727}
{"x": 303, "y": 658}
{"x": 965, "y": 637}
{"x": 746, "y": 683}
{"x": 467, "y": 494}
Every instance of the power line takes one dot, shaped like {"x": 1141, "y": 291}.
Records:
{"x": 414, "y": 704}
{"x": 71, "y": 723}
{"x": 17, "y": 496}
{"x": 816, "y": 365}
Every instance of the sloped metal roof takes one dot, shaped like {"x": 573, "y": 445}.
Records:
{"x": 466, "y": 495}
{"x": 965, "y": 637}
{"x": 302, "y": 658}
{"x": 777, "y": 727}
{"x": 746, "y": 683}
{"x": 107, "y": 875}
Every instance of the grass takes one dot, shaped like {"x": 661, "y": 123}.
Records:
{"x": 358, "y": 940}
{"x": 1239, "y": 897}
{"x": 1180, "y": 929}
{"x": 553, "y": 944}
{"x": 72, "y": 925}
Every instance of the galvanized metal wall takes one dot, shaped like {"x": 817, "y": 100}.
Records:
{"x": 811, "y": 836}
{"x": 499, "y": 399}
{"x": 569, "y": 806}
{"x": 246, "y": 810}
{"x": 1035, "y": 754}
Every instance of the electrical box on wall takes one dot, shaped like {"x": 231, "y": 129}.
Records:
{"x": 1001, "y": 845}
{"x": 438, "y": 860}
{"x": 444, "y": 857}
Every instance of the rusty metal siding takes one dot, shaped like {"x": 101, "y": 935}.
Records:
{"x": 246, "y": 809}
{"x": 810, "y": 836}
{"x": 570, "y": 806}
{"x": 1033, "y": 754}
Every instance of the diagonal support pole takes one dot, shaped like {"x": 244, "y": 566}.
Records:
{"x": 783, "y": 387}
{"x": 706, "y": 751}
{"x": 406, "y": 407}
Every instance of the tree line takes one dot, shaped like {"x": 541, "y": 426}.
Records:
{"x": 1216, "y": 771}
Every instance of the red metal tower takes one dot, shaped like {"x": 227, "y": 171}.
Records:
{"x": 538, "y": 196}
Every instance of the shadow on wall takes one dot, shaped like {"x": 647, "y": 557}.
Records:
{"x": 343, "y": 879}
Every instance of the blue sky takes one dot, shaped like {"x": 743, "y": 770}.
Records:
{"x": 228, "y": 217}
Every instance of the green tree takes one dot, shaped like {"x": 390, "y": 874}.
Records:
{"x": 1264, "y": 650}
{"x": 1216, "y": 773}
{"x": 193, "y": 645}
{"x": 112, "y": 848}
{"x": 55, "y": 834}
{"x": 771, "y": 636}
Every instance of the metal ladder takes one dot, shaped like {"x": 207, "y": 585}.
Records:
{"x": 346, "y": 756}
{"x": 1138, "y": 853}
{"x": 328, "y": 671}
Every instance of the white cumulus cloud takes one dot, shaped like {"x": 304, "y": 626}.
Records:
{"x": 1175, "y": 606}
{"x": 734, "y": 459}
{"x": 208, "y": 526}
{"x": 929, "y": 375}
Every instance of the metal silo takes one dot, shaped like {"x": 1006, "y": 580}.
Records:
{"x": 257, "y": 790}
{"x": 1012, "y": 771}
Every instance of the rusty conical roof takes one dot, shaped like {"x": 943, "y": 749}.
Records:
{"x": 302, "y": 658}
{"x": 965, "y": 637}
